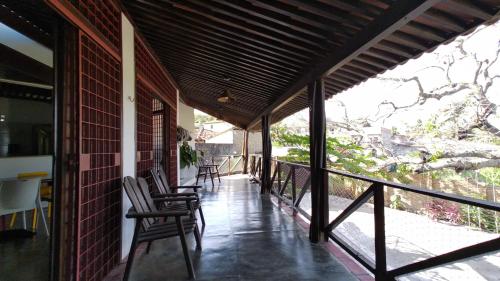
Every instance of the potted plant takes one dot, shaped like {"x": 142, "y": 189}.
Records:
{"x": 188, "y": 155}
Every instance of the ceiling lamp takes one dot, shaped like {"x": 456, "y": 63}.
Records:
{"x": 226, "y": 97}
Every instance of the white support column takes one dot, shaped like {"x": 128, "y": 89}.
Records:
{"x": 128, "y": 126}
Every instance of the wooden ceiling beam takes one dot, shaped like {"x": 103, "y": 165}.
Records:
{"x": 241, "y": 17}
{"x": 275, "y": 17}
{"x": 473, "y": 8}
{"x": 251, "y": 63}
{"x": 408, "y": 40}
{"x": 399, "y": 14}
{"x": 202, "y": 38}
{"x": 355, "y": 71}
{"x": 384, "y": 55}
{"x": 209, "y": 110}
{"x": 351, "y": 75}
{"x": 445, "y": 20}
{"x": 216, "y": 63}
{"x": 304, "y": 16}
{"x": 352, "y": 7}
{"x": 424, "y": 31}
{"x": 210, "y": 48}
{"x": 214, "y": 30}
{"x": 214, "y": 86}
{"x": 394, "y": 48}
{"x": 328, "y": 12}
{"x": 236, "y": 79}
{"x": 249, "y": 32}
{"x": 217, "y": 75}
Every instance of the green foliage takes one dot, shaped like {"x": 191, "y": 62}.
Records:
{"x": 202, "y": 118}
{"x": 341, "y": 154}
{"x": 188, "y": 155}
{"x": 402, "y": 174}
{"x": 479, "y": 217}
{"x": 436, "y": 156}
{"x": 396, "y": 202}
{"x": 490, "y": 175}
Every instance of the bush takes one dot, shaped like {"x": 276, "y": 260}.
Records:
{"x": 443, "y": 210}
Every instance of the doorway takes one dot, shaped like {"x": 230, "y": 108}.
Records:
{"x": 159, "y": 135}
{"x": 26, "y": 140}
{"x": 30, "y": 137}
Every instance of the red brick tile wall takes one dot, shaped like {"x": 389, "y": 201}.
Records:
{"x": 99, "y": 200}
{"x": 149, "y": 71}
{"x": 144, "y": 111}
{"x": 173, "y": 147}
{"x": 105, "y": 16}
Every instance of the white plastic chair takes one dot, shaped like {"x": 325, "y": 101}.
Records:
{"x": 21, "y": 196}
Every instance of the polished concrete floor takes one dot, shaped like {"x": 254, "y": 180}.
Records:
{"x": 25, "y": 259}
{"x": 246, "y": 238}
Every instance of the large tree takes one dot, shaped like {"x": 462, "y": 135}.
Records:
{"x": 464, "y": 77}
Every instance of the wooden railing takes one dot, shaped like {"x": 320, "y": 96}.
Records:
{"x": 255, "y": 167}
{"x": 291, "y": 182}
{"x": 229, "y": 164}
{"x": 376, "y": 191}
{"x": 290, "y": 187}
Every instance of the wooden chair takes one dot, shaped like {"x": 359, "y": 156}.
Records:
{"x": 207, "y": 169}
{"x": 174, "y": 188}
{"x": 154, "y": 224}
{"x": 160, "y": 180}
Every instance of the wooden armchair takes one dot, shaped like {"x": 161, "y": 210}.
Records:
{"x": 207, "y": 168}
{"x": 160, "y": 180}
{"x": 154, "y": 224}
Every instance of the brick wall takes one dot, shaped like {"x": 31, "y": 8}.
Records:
{"x": 144, "y": 111}
{"x": 150, "y": 73}
{"x": 99, "y": 216}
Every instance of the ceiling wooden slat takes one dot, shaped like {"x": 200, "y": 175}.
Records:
{"x": 266, "y": 52}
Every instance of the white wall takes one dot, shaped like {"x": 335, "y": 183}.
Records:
{"x": 186, "y": 120}
{"x": 128, "y": 126}
{"x": 11, "y": 166}
{"x": 186, "y": 117}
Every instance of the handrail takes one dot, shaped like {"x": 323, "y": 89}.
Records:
{"x": 438, "y": 194}
{"x": 291, "y": 163}
{"x": 375, "y": 192}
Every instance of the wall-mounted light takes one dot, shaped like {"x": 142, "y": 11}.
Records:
{"x": 2, "y": 118}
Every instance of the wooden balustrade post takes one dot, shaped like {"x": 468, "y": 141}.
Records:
{"x": 245, "y": 152}
{"x": 278, "y": 166}
{"x": 379, "y": 216}
{"x": 294, "y": 190}
{"x": 319, "y": 188}
{"x": 229, "y": 165}
{"x": 266, "y": 154}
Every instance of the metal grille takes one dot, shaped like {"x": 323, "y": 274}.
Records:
{"x": 104, "y": 16}
{"x": 144, "y": 106}
{"x": 99, "y": 199}
{"x": 158, "y": 134}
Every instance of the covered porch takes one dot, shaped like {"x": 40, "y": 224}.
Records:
{"x": 249, "y": 236}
